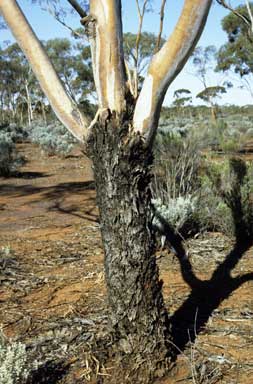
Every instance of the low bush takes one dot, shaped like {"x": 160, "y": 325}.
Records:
{"x": 234, "y": 185}
{"x": 9, "y": 159}
{"x": 212, "y": 214}
{"x": 176, "y": 185}
{"x": 53, "y": 138}
{"x": 13, "y": 362}
{"x": 179, "y": 212}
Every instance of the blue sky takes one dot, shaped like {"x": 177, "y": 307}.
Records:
{"x": 46, "y": 27}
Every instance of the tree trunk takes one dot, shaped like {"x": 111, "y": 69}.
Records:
{"x": 138, "y": 315}
{"x": 29, "y": 104}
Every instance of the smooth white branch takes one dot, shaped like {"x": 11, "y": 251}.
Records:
{"x": 63, "y": 106}
{"x": 167, "y": 63}
{"x": 107, "y": 53}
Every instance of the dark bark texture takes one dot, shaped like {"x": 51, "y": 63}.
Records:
{"x": 122, "y": 169}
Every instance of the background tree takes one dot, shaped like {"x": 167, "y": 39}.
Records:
{"x": 182, "y": 97}
{"x": 20, "y": 93}
{"x": 72, "y": 62}
{"x": 138, "y": 62}
{"x": 204, "y": 61}
{"x": 17, "y": 84}
{"x": 119, "y": 141}
{"x": 237, "y": 54}
{"x": 210, "y": 95}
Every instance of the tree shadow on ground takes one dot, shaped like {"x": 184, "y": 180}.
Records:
{"x": 49, "y": 373}
{"x": 59, "y": 197}
{"x": 74, "y": 210}
{"x": 206, "y": 295}
{"x": 30, "y": 175}
{"x": 49, "y": 192}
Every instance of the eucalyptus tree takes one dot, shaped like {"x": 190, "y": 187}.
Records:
{"x": 119, "y": 141}
{"x": 236, "y": 55}
{"x": 17, "y": 83}
{"x": 71, "y": 61}
{"x": 203, "y": 59}
{"x": 182, "y": 97}
{"x": 138, "y": 52}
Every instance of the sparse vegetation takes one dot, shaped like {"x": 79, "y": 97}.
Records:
{"x": 52, "y": 138}
{"x": 197, "y": 195}
{"x": 13, "y": 362}
{"x": 9, "y": 158}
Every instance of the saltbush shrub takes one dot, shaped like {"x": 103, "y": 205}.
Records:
{"x": 10, "y": 134}
{"x": 9, "y": 159}
{"x": 175, "y": 185}
{"x": 234, "y": 184}
{"x": 212, "y": 214}
{"x": 53, "y": 138}
{"x": 13, "y": 362}
{"x": 178, "y": 212}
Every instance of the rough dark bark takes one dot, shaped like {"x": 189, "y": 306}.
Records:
{"x": 138, "y": 315}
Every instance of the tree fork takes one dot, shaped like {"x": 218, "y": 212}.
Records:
{"x": 122, "y": 168}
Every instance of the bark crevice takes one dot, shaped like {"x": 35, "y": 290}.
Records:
{"x": 139, "y": 319}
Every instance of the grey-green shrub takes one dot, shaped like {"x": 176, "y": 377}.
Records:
{"x": 53, "y": 138}
{"x": 212, "y": 214}
{"x": 13, "y": 362}
{"x": 9, "y": 160}
{"x": 177, "y": 212}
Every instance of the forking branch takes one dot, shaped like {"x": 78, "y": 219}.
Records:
{"x": 166, "y": 65}
{"x": 141, "y": 13}
{"x": 247, "y": 20}
{"x": 78, "y": 8}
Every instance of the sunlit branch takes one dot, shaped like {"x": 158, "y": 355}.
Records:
{"x": 106, "y": 39}
{"x": 64, "y": 107}
{"x": 166, "y": 64}
{"x": 250, "y": 14}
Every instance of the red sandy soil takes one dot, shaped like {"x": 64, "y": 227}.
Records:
{"x": 53, "y": 295}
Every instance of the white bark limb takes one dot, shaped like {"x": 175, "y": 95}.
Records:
{"x": 166, "y": 65}
{"x": 107, "y": 54}
{"x": 63, "y": 106}
{"x": 250, "y": 14}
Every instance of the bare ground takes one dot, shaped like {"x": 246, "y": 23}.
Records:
{"x": 53, "y": 295}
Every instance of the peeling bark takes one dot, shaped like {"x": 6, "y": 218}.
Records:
{"x": 107, "y": 53}
{"x": 166, "y": 65}
{"x": 138, "y": 315}
{"x": 122, "y": 162}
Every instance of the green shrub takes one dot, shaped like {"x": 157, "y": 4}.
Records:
{"x": 10, "y": 134}
{"x": 249, "y": 133}
{"x": 230, "y": 145}
{"x": 175, "y": 185}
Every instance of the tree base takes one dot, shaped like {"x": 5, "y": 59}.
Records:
{"x": 141, "y": 331}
